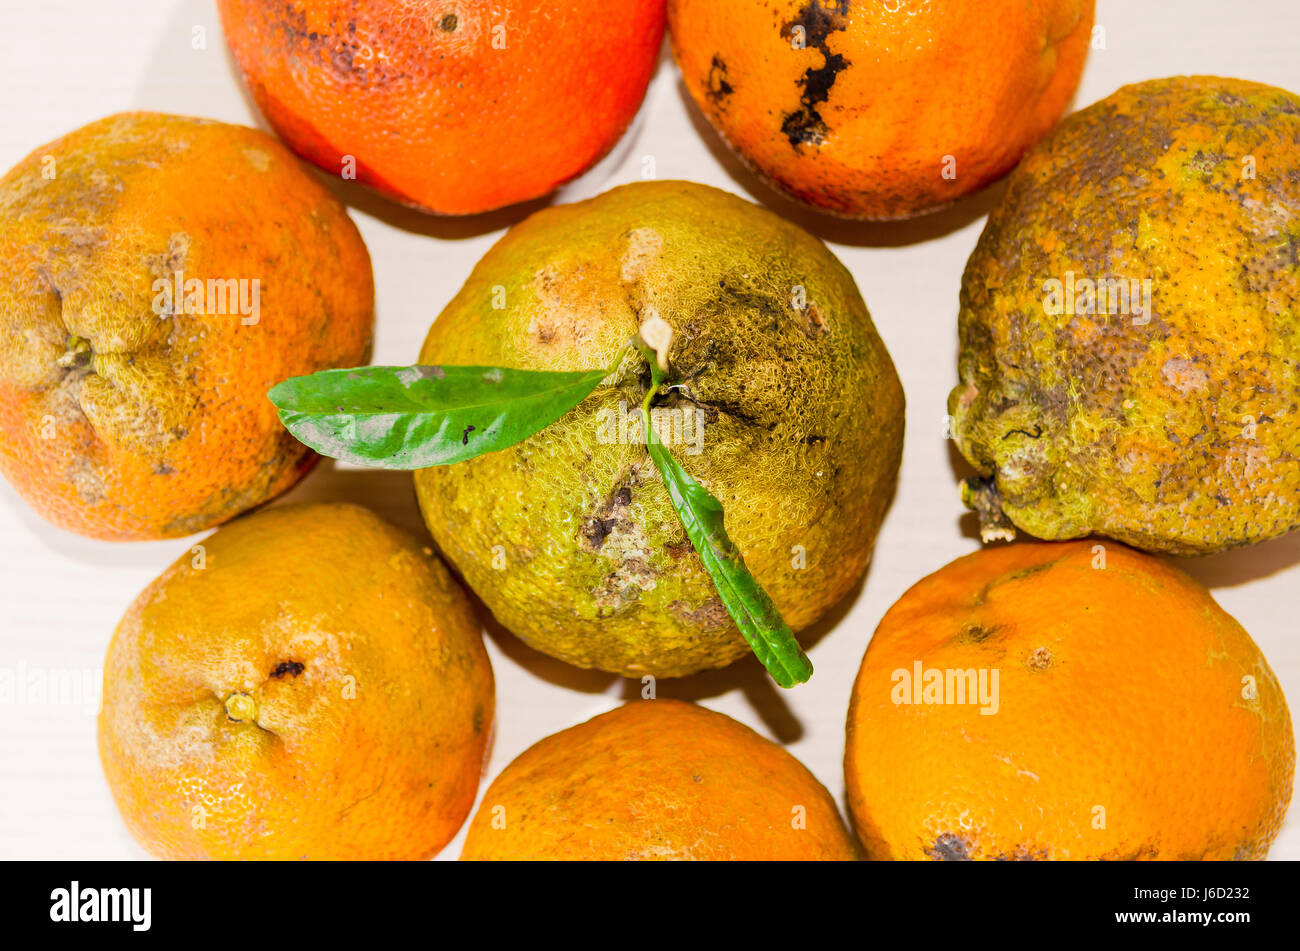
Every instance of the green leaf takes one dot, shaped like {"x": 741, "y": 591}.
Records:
{"x": 757, "y": 617}
{"x": 418, "y": 416}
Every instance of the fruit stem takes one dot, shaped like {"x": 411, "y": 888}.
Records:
{"x": 78, "y": 352}
{"x": 981, "y": 496}
{"x": 241, "y": 707}
{"x": 656, "y": 334}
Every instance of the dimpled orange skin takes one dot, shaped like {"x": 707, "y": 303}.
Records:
{"x": 657, "y": 780}
{"x": 119, "y": 417}
{"x": 317, "y": 689}
{"x": 1124, "y": 729}
{"x": 854, "y": 106}
{"x": 452, "y": 106}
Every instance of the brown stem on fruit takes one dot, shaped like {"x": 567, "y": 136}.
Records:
{"x": 981, "y": 496}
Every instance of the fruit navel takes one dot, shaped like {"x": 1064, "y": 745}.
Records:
{"x": 241, "y": 707}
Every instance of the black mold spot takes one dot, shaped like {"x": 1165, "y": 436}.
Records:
{"x": 950, "y": 847}
{"x": 1022, "y": 853}
{"x": 716, "y": 86}
{"x": 287, "y": 667}
{"x": 1038, "y": 431}
{"x": 805, "y": 125}
{"x": 606, "y": 517}
{"x": 598, "y": 529}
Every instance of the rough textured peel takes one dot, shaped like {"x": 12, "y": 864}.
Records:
{"x": 313, "y": 684}
{"x": 570, "y": 537}
{"x": 1169, "y": 417}
{"x": 127, "y": 414}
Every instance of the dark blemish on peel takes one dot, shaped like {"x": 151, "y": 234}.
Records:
{"x": 464, "y": 437}
{"x": 286, "y": 668}
{"x": 716, "y": 86}
{"x": 1029, "y": 572}
{"x": 977, "y": 633}
{"x": 598, "y": 529}
{"x": 949, "y": 847}
{"x": 1038, "y": 431}
{"x": 448, "y": 23}
{"x": 805, "y": 125}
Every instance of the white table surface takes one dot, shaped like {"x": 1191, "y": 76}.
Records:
{"x": 65, "y": 63}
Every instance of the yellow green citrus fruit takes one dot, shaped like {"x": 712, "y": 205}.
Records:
{"x": 782, "y": 401}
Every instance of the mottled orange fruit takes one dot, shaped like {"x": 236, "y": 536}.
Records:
{"x": 880, "y": 108}
{"x": 657, "y": 779}
{"x": 453, "y": 106}
{"x": 1131, "y": 717}
{"x": 130, "y": 409}
{"x": 310, "y": 683}
{"x": 1130, "y": 325}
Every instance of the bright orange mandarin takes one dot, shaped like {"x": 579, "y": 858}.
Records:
{"x": 1133, "y": 718}
{"x": 453, "y": 106}
{"x": 881, "y": 108}
{"x": 130, "y": 413}
{"x": 657, "y": 779}
{"x": 312, "y": 685}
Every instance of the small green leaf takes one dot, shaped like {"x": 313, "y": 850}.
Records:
{"x": 757, "y": 617}
{"x": 418, "y": 416}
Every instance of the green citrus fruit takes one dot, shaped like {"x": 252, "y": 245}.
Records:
{"x": 784, "y": 404}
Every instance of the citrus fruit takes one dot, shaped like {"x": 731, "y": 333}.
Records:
{"x": 780, "y": 400}
{"x": 657, "y": 779}
{"x": 307, "y": 683}
{"x": 1065, "y": 701}
{"x": 1129, "y": 330}
{"x": 883, "y": 108}
{"x": 453, "y": 106}
{"x": 161, "y": 274}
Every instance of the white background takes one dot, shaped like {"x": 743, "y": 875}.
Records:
{"x": 63, "y": 64}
